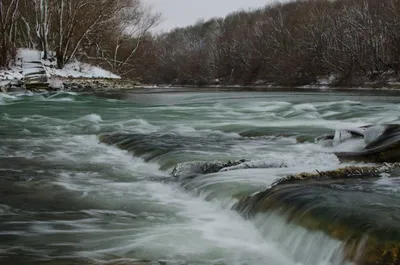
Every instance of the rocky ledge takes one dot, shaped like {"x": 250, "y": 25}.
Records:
{"x": 348, "y": 204}
{"x": 87, "y": 85}
{"x": 69, "y": 84}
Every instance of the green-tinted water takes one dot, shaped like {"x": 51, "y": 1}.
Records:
{"x": 65, "y": 198}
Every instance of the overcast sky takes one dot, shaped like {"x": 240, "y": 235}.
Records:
{"x": 180, "y": 13}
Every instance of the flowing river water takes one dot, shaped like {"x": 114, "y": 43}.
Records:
{"x": 65, "y": 198}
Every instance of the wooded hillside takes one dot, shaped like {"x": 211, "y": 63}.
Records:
{"x": 296, "y": 43}
{"x": 351, "y": 41}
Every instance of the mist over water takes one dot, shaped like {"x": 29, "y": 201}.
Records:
{"x": 65, "y": 198}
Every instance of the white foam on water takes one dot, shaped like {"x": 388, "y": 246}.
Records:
{"x": 207, "y": 233}
{"x": 313, "y": 122}
{"x": 305, "y": 107}
{"x": 135, "y": 212}
{"x": 61, "y": 99}
{"x": 329, "y": 114}
{"x": 94, "y": 118}
{"x": 349, "y": 145}
{"x": 5, "y": 209}
{"x": 136, "y": 125}
{"x": 373, "y": 133}
{"x": 331, "y": 103}
{"x": 197, "y": 231}
{"x": 306, "y": 247}
{"x": 267, "y": 107}
{"x": 6, "y": 98}
{"x": 187, "y": 130}
{"x": 87, "y": 150}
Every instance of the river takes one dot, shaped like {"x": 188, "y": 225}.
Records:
{"x": 65, "y": 198}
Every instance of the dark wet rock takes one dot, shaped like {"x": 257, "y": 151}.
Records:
{"x": 152, "y": 146}
{"x": 97, "y": 84}
{"x": 325, "y": 140}
{"x": 346, "y": 204}
{"x": 256, "y": 164}
{"x": 353, "y": 172}
{"x": 250, "y": 204}
{"x": 192, "y": 169}
{"x": 325, "y": 137}
{"x": 147, "y": 146}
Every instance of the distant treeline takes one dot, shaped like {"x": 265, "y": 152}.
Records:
{"x": 296, "y": 43}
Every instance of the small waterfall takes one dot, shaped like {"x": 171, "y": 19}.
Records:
{"x": 338, "y": 208}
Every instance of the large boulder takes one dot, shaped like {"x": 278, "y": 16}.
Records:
{"x": 346, "y": 204}
{"x": 382, "y": 145}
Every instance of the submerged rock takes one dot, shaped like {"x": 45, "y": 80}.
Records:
{"x": 346, "y": 204}
{"x": 147, "y": 146}
{"x": 155, "y": 145}
{"x": 192, "y": 169}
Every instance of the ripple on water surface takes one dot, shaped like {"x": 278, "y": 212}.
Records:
{"x": 65, "y": 197}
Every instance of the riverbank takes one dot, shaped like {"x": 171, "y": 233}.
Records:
{"x": 109, "y": 85}
{"x": 31, "y": 73}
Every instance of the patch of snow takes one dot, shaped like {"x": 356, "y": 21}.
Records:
{"x": 29, "y": 63}
{"x": 56, "y": 84}
{"x": 260, "y": 82}
{"x": 315, "y": 86}
{"x": 326, "y": 80}
{"x": 14, "y": 72}
{"x": 77, "y": 69}
{"x": 33, "y": 71}
{"x": 29, "y": 55}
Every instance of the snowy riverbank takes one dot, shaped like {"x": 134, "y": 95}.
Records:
{"x": 30, "y": 72}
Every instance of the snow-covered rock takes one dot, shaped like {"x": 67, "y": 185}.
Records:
{"x": 326, "y": 80}
{"x": 56, "y": 84}
{"x": 77, "y": 69}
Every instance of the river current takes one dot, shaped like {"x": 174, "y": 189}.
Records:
{"x": 66, "y": 198}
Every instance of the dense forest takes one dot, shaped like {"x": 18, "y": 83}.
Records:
{"x": 353, "y": 41}
{"x": 295, "y": 43}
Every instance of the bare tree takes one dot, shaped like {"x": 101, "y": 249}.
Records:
{"x": 8, "y": 19}
{"x": 76, "y": 20}
{"x": 42, "y": 26}
{"x": 127, "y": 28}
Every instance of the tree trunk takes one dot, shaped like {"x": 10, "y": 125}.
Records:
{"x": 60, "y": 60}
